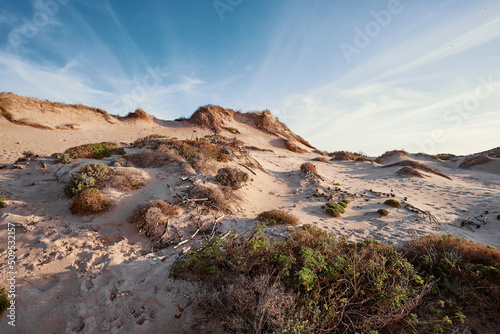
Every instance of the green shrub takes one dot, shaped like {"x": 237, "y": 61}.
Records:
{"x": 94, "y": 151}
{"x": 277, "y": 217}
{"x": 333, "y": 212}
{"x": 346, "y": 201}
{"x": 498, "y": 217}
{"x": 232, "y": 177}
{"x": 2, "y": 202}
{"x": 309, "y": 282}
{"x": 89, "y": 202}
{"x": 89, "y": 176}
{"x": 383, "y": 212}
{"x": 392, "y": 202}
{"x": 4, "y": 301}
{"x": 445, "y": 156}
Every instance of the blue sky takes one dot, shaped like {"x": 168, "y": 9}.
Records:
{"x": 368, "y": 76}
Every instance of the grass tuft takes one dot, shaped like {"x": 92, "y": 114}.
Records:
{"x": 383, "y": 212}
{"x": 392, "y": 202}
{"x": 2, "y": 202}
{"x": 232, "y": 177}
{"x": 4, "y": 301}
{"x": 89, "y": 176}
{"x": 89, "y": 202}
{"x": 277, "y": 217}
{"x": 94, "y": 151}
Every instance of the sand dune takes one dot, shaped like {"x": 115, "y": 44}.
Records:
{"x": 98, "y": 274}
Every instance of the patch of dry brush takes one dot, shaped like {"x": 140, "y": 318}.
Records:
{"x": 475, "y": 160}
{"x": 89, "y": 202}
{"x": 418, "y": 166}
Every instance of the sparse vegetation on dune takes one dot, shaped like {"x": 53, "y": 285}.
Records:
{"x": 94, "y": 151}
{"x": 336, "y": 209}
{"x": 391, "y": 154}
{"x": 89, "y": 202}
{"x": 308, "y": 168}
{"x": 2, "y": 202}
{"x": 89, "y": 176}
{"x": 383, "y": 212}
{"x": 213, "y": 197}
{"x": 392, "y": 202}
{"x": 277, "y": 217}
{"x": 409, "y": 172}
{"x": 309, "y": 282}
{"x": 292, "y": 146}
{"x": 213, "y": 117}
{"x": 445, "y": 156}
{"x": 475, "y": 161}
{"x": 419, "y": 166}
{"x": 232, "y": 177}
{"x": 153, "y": 140}
{"x": 152, "y": 220}
{"x": 139, "y": 115}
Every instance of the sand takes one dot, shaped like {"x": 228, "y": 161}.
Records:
{"x": 98, "y": 274}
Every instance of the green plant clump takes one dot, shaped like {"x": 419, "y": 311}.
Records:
{"x": 309, "y": 282}
{"x": 383, "y": 212}
{"x": 336, "y": 209}
{"x": 392, "y": 202}
{"x": 277, "y": 217}
{"x": 94, "y": 151}
{"x": 498, "y": 217}
{"x": 2, "y": 202}
{"x": 4, "y": 301}
{"x": 89, "y": 176}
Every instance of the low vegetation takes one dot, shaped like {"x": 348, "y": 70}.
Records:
{"x": 475, "y": 161}
{"x": 4, "y": 301}
{"x": 445, "y": 156}
{"x": 89, "y": 202}
{"x": 89, "y": 176}
{"x": 231, "y": 177}
{"x": 2, "y": 202}
{"x": 277, "y": 217}
{"x": 309, "y": 282}
{"x": 383, "y": 212}
{"x": 94, "y": 151}
{"x": 392, "y": 202}
{"x": 61, "y": 158}
{"x": 309, "y": 168}
{"x": 292, "y": 146}
{"x": 213, "y": 197}
{"x": 336, "y": 209}
{"x": 152, "y": 220}
{"x": 419, "y": 166}
{"x": 498, "y": 217}
{"x": 151, "y": 140}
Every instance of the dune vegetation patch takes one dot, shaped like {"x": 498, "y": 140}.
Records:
{"x": 139, "y": 115}
{"x": 392, "y": 202}
{"x": 475, "y": 161}
{"x": 152, "y": 220}
{"x": 4, "y": 301}
{"x": 152, "y": 140}
{"x": 91, "y": 175}
{"x": 419, "y": 166}
{"x": 466, "y": 278}
{"x": 309, "y": 168}
{"x": 292, "y": 146}
{"x": 2, "y": 202}
{"x": 390, "y": 155}
{"x": 336, "y": 209}
{"x": 409, "y": 172}
{"x": 231, "y": 177}
{"x": 213, "y": 197}
{"x": 308, "y": 282}
{"x": 277, "y": 217}
{"x": 383, "y": 212}
{"x": 94, "y": 151}
{"x": 89, "y": 202}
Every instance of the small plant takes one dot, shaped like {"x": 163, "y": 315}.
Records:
{"x": 2, "y": 202}
{"x": 383, "y": 212}
{"x": 277, "y": 217}
{"x": 61, "y": 158}
{"x": 336, "y": 209}
{"x": 89, "y": 202}
{"x": 498, "y": 217}
{"x": 94, "y": 151}
{"x": 308, "y": 168}
{"x": 4, "y": 301}
{"x": 232, "y": 177}
{"x": 89, "y": 176}
{"x": 392, "y": 202}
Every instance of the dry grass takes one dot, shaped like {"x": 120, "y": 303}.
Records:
{"x": 152, "y": 220}
{"x": 153, "y": 140}
{"x": 212, "y": 117}
{"x": 308, "y": 168}
{"x": 364, "y": 159}
{"x": 323, "y": 153}
{"x": 231, "y": 177}
{"x": 139, "y": 115}
{"x": 267, "y": 122}
{"x": 409, "y": 172}
{"x": 389, "y": 155}
{"x": 89, "y": 202}
{"x": 292, "y": 146}
{"x": 345, "y": 156}
{"x": 475, "y": 161}
{"x": 277, "y": 217}
{"x": 323, "y": 159}
{"x": 94, "y": 151}
{"x": 154, "y": 158}
{"x": 213, "y": 197}
{"x": 125, "y": 179}
{"x": 419, "y": 166}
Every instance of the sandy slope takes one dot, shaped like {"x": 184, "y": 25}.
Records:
{"x": 99, "y": 275}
